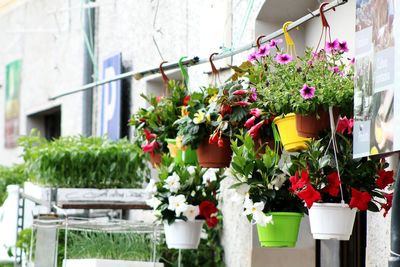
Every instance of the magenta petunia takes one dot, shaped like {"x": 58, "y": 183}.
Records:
{"x": 252, "y": 57}
{"x": 275, "y": 42}
{"x": 263, "y": 51}
{"x": 343, "y": 47}
{"x": 255, "y": 112}
{"x": 253, "y": 95}
{"x": 307, "y": 92}
{"x": 332, "y": 47}
{"x": 283, "y": 58}
{"x": 352, "y": 60}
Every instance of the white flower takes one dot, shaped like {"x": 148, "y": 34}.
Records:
{"x": 278, "y": 181}
{"x": 191, "y": 212}
{"x": 172, "y": 183}
{"x": 151, "y": 186}
{"x": 153, "y": 202}
{"x": 210, "y": 176}
{"x": 177, "y": 203}
{"x": 256, "y": 211}
{"x": 191, "y": 170}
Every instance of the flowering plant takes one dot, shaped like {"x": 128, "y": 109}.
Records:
{"x": 185, "y": 192}
{"x": 262, "y": 180}
{"x": 155, "y": 123}
{"x": 365, "y": 184}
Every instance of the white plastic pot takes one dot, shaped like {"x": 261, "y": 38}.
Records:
{"x": 183, "y": 235}
{"x": 109, "y": 263}
{"x": 331, "y": 221}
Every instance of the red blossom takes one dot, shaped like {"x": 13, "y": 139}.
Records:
{"x": 250, "y": 122}
{"x": 359, "y": 199}
{"x": 240, "y": 92}
{"x": 309, "y": 195}
{"x": 142, "y": 120}
{"x": 385, "y": 179}
{"x": 299, "y": 183}
{"x": 149, "y": 135}
{"x": 220, "y": 142}
{"x": 150, "y": 147}
{"x": 333, "y": 186}
{"x": 209, "y": 211}
{"x": 256, "y": 112}
{"x": 345, "y": 124}
{"x": 158, "y": 98}
{"x": 253, "y": 132}
{"x": 225, "y": 109}
{"x": 389, "y": 200}
{"x": 242, "y": 103}
{"x": 213, "y": 138}
{"x": 186, "y": 100}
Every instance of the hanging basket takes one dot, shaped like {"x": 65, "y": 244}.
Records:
{"x": 213, "y": 156}
{"x": 310, "y": 126}
{"x": 183, "y": 235}
{"x": 331, "y": 221}
{"x": 291, "y": 141}
{"x": 186, "y": 155}
{"x": 283, "y": 232}
{"x": 172, "y": 147}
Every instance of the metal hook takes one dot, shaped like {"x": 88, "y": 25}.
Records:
{"x": 213, "y": 68}
{"x": 259, "y": 40}
{"x": 164, "y": 76}
{"x": 325, "y": 23}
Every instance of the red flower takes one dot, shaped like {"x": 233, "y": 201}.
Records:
{"x": 240, "y": 92}
{"x": 225, "y": 109}
{"x": 213, "y": 138}
{"x": 250, "y": 122}
{"x": 298, "y": 184}
{"x": 242, "y": 103}
{"x": 186, "y": 100}
{"x": 388, "y": 204}
{"x": 142, "y": 120}
{"x": 255, "y": 112}
{"x": 385, "y": 179}
{"x": 309, "y": 195}
{"x": 150, "y": 147}
{"x": 220, "y": 142}
{"x": 345, "y": 124}
{"x": 149, "y": 135}
{"x": 253, "y": 132}
{"x": 333, "y": 184}
{"x": 158, "y": 98}
{"x": 209, "y": 211}
{"x": 359, "y": 199}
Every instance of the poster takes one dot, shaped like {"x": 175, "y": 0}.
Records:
{"x": 110, "y": 99}
{"x": 376, "y": 94}
{"x": 12, "y": 103}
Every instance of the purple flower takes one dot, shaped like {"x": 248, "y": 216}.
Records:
{"x": 275, "y": 42}
{"x": 253, "y": 95}
{"x": 252, "y": 56}
{"x": 332, "y": 47}
{"x": 283, "y": 58}
{"x": 263, "y": 51}
{"x": 352, "y": 60}
{"x": 307, "y": 92}
{"x": 334, "y": 69}
{"x": 343, "y": 47}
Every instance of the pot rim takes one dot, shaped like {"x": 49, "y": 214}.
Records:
{"x": 284, "y": 213}
{"x": 180, "y": 220}
{"x": 323, "y": 204}
{"x": 284, "y": 116}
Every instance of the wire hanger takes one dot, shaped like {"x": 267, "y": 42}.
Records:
{"x": 164, "y": 76}
{"x": 290, "y": 45}
{"x": 326, "y": 28}
{"x": 214, "y": 71}
{"x": 258, "y": 40}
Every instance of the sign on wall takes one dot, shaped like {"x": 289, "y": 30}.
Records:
{"x": 376, "y": 94}
{"x": 110, "y": 99}
{"x": 12, "y": 103}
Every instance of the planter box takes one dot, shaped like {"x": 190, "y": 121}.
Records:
{"x": 86, "y": 194}
{"x": 109, "y": 263}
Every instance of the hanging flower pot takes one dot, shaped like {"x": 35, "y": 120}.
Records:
{"x": 291, "y": 141}
{"x": 183, "y": 234}
{"x": 189, "y": 156}
{"x": 310, "y": 126}
{"x": 282, "y": 232}
{"x": 186, "y": 154}
{"x": 172, "y": 147}
{"x": 155, "y": 159}
{"x": 331, "y": 221}
{"x": 213, "y": 156}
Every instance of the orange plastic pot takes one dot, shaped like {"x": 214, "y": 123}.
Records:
{"x": 213, "y": 156}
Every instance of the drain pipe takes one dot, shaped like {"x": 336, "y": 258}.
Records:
{"x": 394, "y": 259}
{"x": 88, "y": 68}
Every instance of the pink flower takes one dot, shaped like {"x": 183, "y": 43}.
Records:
{"x": 150, "y": 147}
{"x": 255, "y": 112}
{"x": 250, "y": 122}
{"x": 352, "y": 60}
{"x": 242, "y": 103}
{"x": 307, "y": 92}
{"x": 343, "y": 47}
{"x": 345, "y": 124}
{"x": 252, "y": 57}
{"x": 240, "y": 92}
{"x": 253, "y": 132}
{"x": 149, "y": 135}
{"x": 263, "y": 51}
{"x": 332, "y": 47}
{"x": 253, "y": 95}
{"x": 275, "y": 42}
{"x": 283, "y": 58}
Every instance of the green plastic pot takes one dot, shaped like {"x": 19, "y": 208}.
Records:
{"x": 283, "y": 232}
{"x": 188, "y": 156}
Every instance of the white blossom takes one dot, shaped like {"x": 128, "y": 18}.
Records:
{"x": 153, "y": 202}
{"x": 172, "y": 183}
{"x": 256, "y": 211}
{"x": 177, "y": 204}
{"x": 191, "y": 170}
{"x": 191, "y": 212}
{"x": 210, "y": 176}
{"x": 151, "y": 187}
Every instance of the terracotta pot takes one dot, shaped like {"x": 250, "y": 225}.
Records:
{"x": 155, "y": 159}
{"x": 213, "y": 156}
{"x": 310, "y": 126}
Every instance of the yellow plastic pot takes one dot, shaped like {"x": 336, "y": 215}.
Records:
{"x": 172, "y": 147}
{"x": 290, "y": 139}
